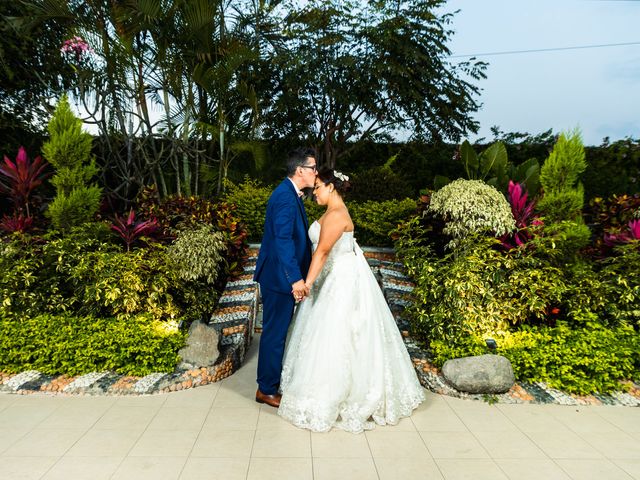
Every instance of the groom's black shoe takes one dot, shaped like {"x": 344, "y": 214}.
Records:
{"x": 273, "y": 400}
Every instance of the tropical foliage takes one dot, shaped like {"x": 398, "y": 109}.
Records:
{"x": 562, "y": 314}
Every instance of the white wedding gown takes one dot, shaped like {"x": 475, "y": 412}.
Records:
{"x": 345, "y": 364}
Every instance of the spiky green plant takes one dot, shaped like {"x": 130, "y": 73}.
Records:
{"x": 69, "y": 151}
{"x": 563, "y": 193}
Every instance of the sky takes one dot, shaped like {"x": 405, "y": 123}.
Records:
{"x": 594, "y": 89}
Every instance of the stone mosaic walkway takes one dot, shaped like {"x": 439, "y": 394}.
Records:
{"x": 237, "y": 318}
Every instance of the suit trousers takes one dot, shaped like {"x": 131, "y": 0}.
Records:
{"x": 277, "y": 310}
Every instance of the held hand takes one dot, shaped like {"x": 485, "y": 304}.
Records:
{"x": 299, "y": 290}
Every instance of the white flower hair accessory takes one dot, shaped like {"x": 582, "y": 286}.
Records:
{"x": 341, "y": 176}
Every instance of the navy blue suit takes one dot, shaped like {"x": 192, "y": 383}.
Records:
{"x": 284, "y": 258}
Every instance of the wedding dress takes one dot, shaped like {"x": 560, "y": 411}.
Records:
{"x": 345, "y": 364}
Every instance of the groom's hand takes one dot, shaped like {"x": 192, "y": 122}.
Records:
{"x": 299, "y": 290}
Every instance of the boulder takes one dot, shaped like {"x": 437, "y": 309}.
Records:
{"x": 202, "y": 346}
{"x": 481, "y": 374}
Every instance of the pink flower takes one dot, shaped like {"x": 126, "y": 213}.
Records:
{"x": 76, "y": 48}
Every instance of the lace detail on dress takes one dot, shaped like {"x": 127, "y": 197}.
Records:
{"x": 346, "y": 365}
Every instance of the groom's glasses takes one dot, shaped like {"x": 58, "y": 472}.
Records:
{"x": 312, "y": 167}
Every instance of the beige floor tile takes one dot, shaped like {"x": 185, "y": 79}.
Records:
{"x": 437, "y": 418}
{"x": 235, "y": 398}
{"x": 199, "y": 397}
{"x": 164, "y": 443}
{"x": 280, "y": 469}
{"x": 407, "y": 469}
{"x": 484, "y": 418}
{"x": 98, "y": 403}
{"x": 586, "y": 469}
{"x": 25, "y": 468}
{"x": 43, "y": 400}
{"x": 43, "y": 442}
{"x": 18, "y": 415}
{"x": 385, "y": 444}
{"x": 625, "y": 418}
{"x": 509, "y": 445}
{"x": 563, "y": 445}
{"x": 470, "y": 469}
{"x": 532, "y": 418}
{"x": 223, "y": 444}
{"x": 232, "y": 419}
{"x": 105, "y": 443}
{"x": 178, "y": 418}
{"x": 200, "y": 468}
{"x": 127, "y": 417}
{"x": 343, "y": 468}
{"x": 629, "y": 465}
{"x": 77, "y": 468}
{"x": 147, "y": 401}
{"x": 6, "y": 399}
{"x": 9, "y": 436}
{"x": 270, "y": 420}
{"x": 282, "y": 443}
{"x": 531, "y": 469}
{"x": 584, "y": 420}
{"x": 614, "y": 445}
{"x": 150, "y": 468}
{"x": 453, "y": 445}
{"x": 404, "y": 425}
{"x": 74, "y": 416}
{"x": 338, "y": 444}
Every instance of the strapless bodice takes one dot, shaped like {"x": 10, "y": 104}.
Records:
{"x": 345, "y": 244}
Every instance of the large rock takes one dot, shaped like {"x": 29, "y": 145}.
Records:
{"x": 481, "y": 374}
{"x": 202, "y": 346}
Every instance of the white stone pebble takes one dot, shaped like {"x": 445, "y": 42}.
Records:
{"x": 85, "y": 381}
{"x": 14, "y": 383}
{"x": 146, "y": 384}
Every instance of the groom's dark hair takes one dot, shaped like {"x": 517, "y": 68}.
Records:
{"x": 298, "y": 158}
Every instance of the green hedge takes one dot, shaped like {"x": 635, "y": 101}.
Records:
{"x": 55, "y": 344}
{"x": 373, "y": 220}
{"x": 250, "y": 198}
{"x": 581, "y": 361}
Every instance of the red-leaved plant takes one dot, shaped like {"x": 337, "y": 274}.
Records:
{"x": 131, "y": 230}
{"x": 16, "y": 223}
{"x": 523, "y": 213}
{"x": 630, "y": 235}
{"x": 19, "y": 179}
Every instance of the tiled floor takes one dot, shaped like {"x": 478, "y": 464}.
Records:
{"x": 219, "y": 432}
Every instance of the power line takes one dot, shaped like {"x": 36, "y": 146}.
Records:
{"x": 556, "y": 49}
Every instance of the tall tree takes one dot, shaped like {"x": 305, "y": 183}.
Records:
{"x": 355, "y": 71}
{"x": 32, "y": 72}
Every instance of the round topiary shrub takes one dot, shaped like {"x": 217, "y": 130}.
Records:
{"x": 472, "y": 206}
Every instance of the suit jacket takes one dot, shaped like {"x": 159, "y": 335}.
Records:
{"x": 285, "y": 253}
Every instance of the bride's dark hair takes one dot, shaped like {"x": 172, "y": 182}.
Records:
{"x": 339, "y": 180}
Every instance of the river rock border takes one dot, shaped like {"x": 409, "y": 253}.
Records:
{"x": 236, "y": 319}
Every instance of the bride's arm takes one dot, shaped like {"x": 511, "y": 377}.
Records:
{"x": 333, "y": 226}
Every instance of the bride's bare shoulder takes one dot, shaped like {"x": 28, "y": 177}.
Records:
{"x": 339, "y": 219}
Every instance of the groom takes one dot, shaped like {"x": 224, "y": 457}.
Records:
{"x": 283, "y": 262}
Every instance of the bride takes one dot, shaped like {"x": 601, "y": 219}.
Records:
{"x": 345, "y": 364}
